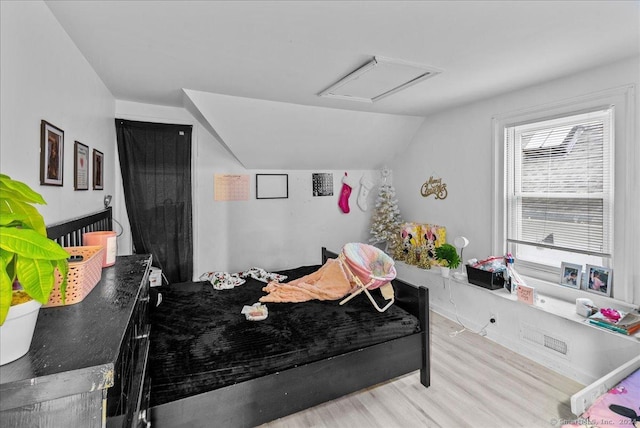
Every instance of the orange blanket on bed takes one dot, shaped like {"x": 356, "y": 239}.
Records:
{"x": 330, "y": 282}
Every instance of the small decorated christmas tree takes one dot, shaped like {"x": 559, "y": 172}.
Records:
{"x": 386, "y": 219}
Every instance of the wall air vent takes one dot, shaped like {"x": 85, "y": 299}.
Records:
{"x": 545, "y": 340}
{"x": 377, "y": 79}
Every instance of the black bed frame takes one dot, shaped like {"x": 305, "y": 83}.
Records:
{"x": 69, "y": 233}
{"x": 273, "y": 396}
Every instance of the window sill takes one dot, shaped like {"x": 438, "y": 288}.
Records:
{"x": 546, "y": 303}
{"x": 560, "y": 308}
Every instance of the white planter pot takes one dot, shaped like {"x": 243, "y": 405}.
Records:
{"x": 17, "y": 331}
{"x": 444, "y": 271}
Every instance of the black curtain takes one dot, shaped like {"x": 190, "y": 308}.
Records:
{"x": 155, "y": 159}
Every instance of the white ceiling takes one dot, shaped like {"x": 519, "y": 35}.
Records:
{"x": 289, "y": 51}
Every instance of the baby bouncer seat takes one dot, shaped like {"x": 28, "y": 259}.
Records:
{"x": 369, "y": 268}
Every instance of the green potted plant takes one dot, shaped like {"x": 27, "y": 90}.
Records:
{"x": 449, "y": 258}
{"x": 28, "y": 260}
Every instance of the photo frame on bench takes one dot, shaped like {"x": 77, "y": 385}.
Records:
{"x": 571, "y": 275}
{"x": 598, "y": 280}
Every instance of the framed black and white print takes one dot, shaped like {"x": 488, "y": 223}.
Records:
{"x": 570, "y": 275}
{"x": 598, "y": 280}
{"x": 98, "y": 170}
{"x": 80, "y": 166}
{"x": 51, "y": 154}
{"x": 272, "y": 186}
{"x": 322, "y": 184}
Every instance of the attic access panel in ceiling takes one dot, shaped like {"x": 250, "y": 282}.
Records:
{"x": 377, "y": 79}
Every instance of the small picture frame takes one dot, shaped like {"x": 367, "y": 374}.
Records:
{"x": 599, "y": 280}
{"x": 570, "y": 275}
{"x": 98, "y": 170}
{"x": 80, "y": 166}
{"x": 51, "y": 154}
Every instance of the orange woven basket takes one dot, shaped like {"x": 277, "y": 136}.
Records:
{"x": 81, "y": 278}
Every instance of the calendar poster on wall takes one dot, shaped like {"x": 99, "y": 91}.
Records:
{"x": 231, "y": 187}
{"x": 322, "y": 184}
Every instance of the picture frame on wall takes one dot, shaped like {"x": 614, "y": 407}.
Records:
{"x": 80, "y": 166}
{"x": 51, "y": 154}
{"x": 598, "y": 280}
{"x": 98, "y": 170}
{"x": 322, "y": 184}
{"x": 570, "y": 275}
{"x": 272, "y": 186}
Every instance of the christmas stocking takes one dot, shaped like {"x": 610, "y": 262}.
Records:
{"x": 347, "y": 185}
{"x": 365, "y": 187}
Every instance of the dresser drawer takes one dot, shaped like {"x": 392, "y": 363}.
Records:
{"x": 143, "y": 417}
{"x": 126, "y": 403}
{"x": 137, "y": 414}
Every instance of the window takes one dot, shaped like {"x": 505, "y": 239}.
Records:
{"x": 560, "y": 190}
{"x": 567, "y": 189}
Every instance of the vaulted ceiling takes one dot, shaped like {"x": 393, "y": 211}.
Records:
{"x": 271, "y": 56}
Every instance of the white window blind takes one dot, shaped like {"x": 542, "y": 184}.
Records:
{"x": 560, "y": 188}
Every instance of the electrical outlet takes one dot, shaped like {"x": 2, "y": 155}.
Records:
{"x": 493, "y": 319}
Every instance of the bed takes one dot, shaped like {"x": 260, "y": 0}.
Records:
{"x": 190, "y": 391}
{"x": 611, "y": 401}
{"x": 287, "y": 363}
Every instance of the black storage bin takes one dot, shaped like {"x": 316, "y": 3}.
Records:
{"x": 486, "y": 279}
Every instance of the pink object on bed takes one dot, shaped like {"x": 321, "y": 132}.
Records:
{"x": 330, "y": 282}
{"x": 369, "y": 268}
{"x": 619, "y": 407}
{"x": 371, "y": 265}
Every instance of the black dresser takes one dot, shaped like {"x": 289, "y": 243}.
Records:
{"x": 87, "y": 363}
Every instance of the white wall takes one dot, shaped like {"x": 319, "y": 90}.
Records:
{"x": 457, "y": 145}
{"x": 272, "y": 234}
{"x": 44, "y": 77}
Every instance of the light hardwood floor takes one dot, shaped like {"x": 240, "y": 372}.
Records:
{"x": 474, "y": 383}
